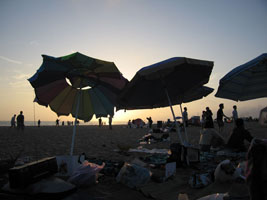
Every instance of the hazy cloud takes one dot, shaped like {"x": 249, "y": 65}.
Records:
{"x": 34, "y": 43}
{"x": 21, "y": 76}
{"x": 10, "y": 60}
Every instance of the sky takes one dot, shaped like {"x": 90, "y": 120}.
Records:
{"x": 132, "y": 34}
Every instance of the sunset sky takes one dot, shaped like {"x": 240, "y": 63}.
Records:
{"x": 132, "y": 34}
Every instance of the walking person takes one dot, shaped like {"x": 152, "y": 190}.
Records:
{"x": 208, "y": 119}
{"x": 20, "y": 121}
{"x": 100, "y": 122}
{"x": 110, "y": 122}
{"x": 150, "y": 122}
{"x": 13, "y": 121}
{"x": 220, "y": 116}
{"x": 185, "y": 116}
{"x": 235, "y": 114}
{"x": 39, "y": 123}
{"x": 57, "y": 122}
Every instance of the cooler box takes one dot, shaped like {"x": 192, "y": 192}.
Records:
{"x": 22, "y": 176}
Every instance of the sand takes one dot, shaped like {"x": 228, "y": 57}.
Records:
{"x": 97, "y": 142}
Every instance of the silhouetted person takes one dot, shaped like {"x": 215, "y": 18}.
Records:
{"x": 129, "y": 124}
{"x": 208, "y": 119}
{"x": 110, "y": 122}
{"x": 185, "y": 116}
{"x": 13, "y": 121}
{"x": 100, "y": 122}
{"x": 57, "y": 122}
{"x": 220, "y": 116}
{"x": 20, "y": 121}
{"x": 235, "y": 113}
{"x": 150, "y": 122}
{"x": 39, "y": 123}
{"x": 238, "y": 136}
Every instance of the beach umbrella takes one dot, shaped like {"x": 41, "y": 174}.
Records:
{"x": 165, "y": 84}
{"x": 245, "y": 82}
{"x": 78, "y": 85}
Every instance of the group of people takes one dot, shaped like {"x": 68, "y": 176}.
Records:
{"x": 19, "y": 119}
{"x": 207, "y": 119}
{"x": 100, "y": 123}
{"x": 238, "y": 135}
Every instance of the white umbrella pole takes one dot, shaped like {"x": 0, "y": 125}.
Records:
{"x": 75, "y": 123}
{"x": 185, "y": 131}
{"x": 176, "y": 125}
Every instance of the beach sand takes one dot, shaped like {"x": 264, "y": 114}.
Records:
{"x": 102, "y": 143}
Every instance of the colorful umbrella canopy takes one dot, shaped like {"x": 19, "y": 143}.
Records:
{"x": 78, "y": 83}
{"x": 245, "y": 82}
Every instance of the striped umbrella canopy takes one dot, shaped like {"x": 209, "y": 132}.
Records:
{"x": 183, "y": 79}
{"x": 78, "y": 83}
{"x": 245, "y": 82}
{"x": 167, "y": 83}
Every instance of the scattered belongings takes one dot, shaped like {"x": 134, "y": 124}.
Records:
{"x": 152, "y": 151}
{"x": 201, "y": 180}
{"x": 149, "y": 138}
{"x": 156, "y": 159}
{"x": 163, "y": 173}
{"x": 68, "y": 164}
{"x": 133, "y": 175}
{"x": 86, "y": 174}
{"x": 111, "y": 168}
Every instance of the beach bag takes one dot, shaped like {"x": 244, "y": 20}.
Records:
{"x": 86, "y": 174}
{"x": 134, "y": 176}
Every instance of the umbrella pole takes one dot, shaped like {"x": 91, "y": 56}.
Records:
{"x": 75, "y": 124}
{"x": 185, "y": 131}
{"x": 176, "y": 125}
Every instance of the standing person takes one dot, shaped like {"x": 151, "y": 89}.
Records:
{"x": 185, "y": 116}
{"x": 13, "y": 121}
{"x": 57, "y": 122}
{"x": 150, "y": 122}
{"x": 203, "y": 119}
{"x": 39, "y": 123}
{"x": 110, "y": 122}
{"x": 220, "y": 116}
{"x": 100, "y": 122}
{"x": 208, "y": 118}
{"x": 235, "y": 114}
{"x": 20, "y": 121}
{"x": 129, "y": 124}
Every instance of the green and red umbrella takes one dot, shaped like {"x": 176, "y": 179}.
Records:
{"x": 78, "y": 85}
{"x": 64, "y": 82}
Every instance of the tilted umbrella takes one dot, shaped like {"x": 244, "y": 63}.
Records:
{"x": 78, "y": 85}
{"x": 245, "y": 82}
{"x": 165, "y": 84}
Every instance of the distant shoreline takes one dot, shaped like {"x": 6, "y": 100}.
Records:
{"x": 53, "y": 123}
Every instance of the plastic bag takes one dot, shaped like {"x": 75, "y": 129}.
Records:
{"x": 133, "y": 175}
{"x": 86, "y": 174}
